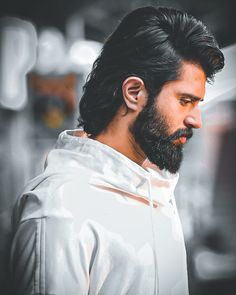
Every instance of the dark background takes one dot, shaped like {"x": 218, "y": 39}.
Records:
{"x": 101, "y": 16}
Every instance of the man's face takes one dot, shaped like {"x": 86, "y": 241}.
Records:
{"x": 163, "y": 126}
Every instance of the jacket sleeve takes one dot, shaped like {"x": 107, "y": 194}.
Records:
{"x": 46, "y": 258}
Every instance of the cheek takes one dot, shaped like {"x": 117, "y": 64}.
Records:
{"x": 173, "y": 115}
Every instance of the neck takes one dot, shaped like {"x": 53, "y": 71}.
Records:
{"x": 120, "y": 139}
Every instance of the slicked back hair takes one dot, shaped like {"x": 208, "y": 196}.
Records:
{"x": 149, "y": 43}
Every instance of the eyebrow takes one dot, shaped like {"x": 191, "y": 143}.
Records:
{"x": 193, "y": 97}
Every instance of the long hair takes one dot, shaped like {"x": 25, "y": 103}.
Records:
{"x": 149, "y": 43}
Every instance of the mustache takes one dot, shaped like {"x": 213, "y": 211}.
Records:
{"x": 188, "y": 133}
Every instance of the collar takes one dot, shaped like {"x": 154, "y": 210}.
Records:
{"x": 115, "y": 170}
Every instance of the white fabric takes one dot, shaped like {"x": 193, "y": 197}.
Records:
{"x": 97, "y": 223}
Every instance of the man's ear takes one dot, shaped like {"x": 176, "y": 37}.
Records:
{"x": 134, "y": 93}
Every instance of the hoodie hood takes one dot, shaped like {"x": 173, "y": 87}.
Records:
{"x": 111, "y": 169}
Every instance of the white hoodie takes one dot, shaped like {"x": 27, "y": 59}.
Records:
{"x": 95, "y": 222}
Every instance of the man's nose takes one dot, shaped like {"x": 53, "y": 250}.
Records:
{"x": 194, "y": 119}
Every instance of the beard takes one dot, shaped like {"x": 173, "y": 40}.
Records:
{"x": 151, "y": 132}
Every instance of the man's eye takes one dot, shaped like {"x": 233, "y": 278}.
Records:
{"x": 185, "y": 101}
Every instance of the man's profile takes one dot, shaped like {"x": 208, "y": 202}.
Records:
{"x": 102, "y": 218}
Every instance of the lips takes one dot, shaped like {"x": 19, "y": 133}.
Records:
{"x": 181, "y": 136}
{"x": 180, "y": 140}
{"x": 183, "y": 139}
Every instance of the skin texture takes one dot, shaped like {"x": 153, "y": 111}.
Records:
{"x": 178, "y": 103}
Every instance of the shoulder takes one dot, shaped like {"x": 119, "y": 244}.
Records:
{"x": 43, "y": 197}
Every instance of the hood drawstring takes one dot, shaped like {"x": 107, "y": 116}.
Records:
{"x": 151, "y": 204}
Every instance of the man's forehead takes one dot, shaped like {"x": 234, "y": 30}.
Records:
{"x": 191, "y": 82}
{"x": 191, "y": 71}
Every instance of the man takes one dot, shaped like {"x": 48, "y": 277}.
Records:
{"x": 102, "y": 218}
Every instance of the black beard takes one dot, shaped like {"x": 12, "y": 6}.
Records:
{"x": 150, "y": 131}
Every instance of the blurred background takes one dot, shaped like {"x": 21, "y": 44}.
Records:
{"x": 46, "y": 51}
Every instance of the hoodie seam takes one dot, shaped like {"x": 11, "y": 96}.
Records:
{"x": 39, "y": 277}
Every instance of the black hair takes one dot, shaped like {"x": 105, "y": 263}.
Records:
{"x": 149, "y": 43}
